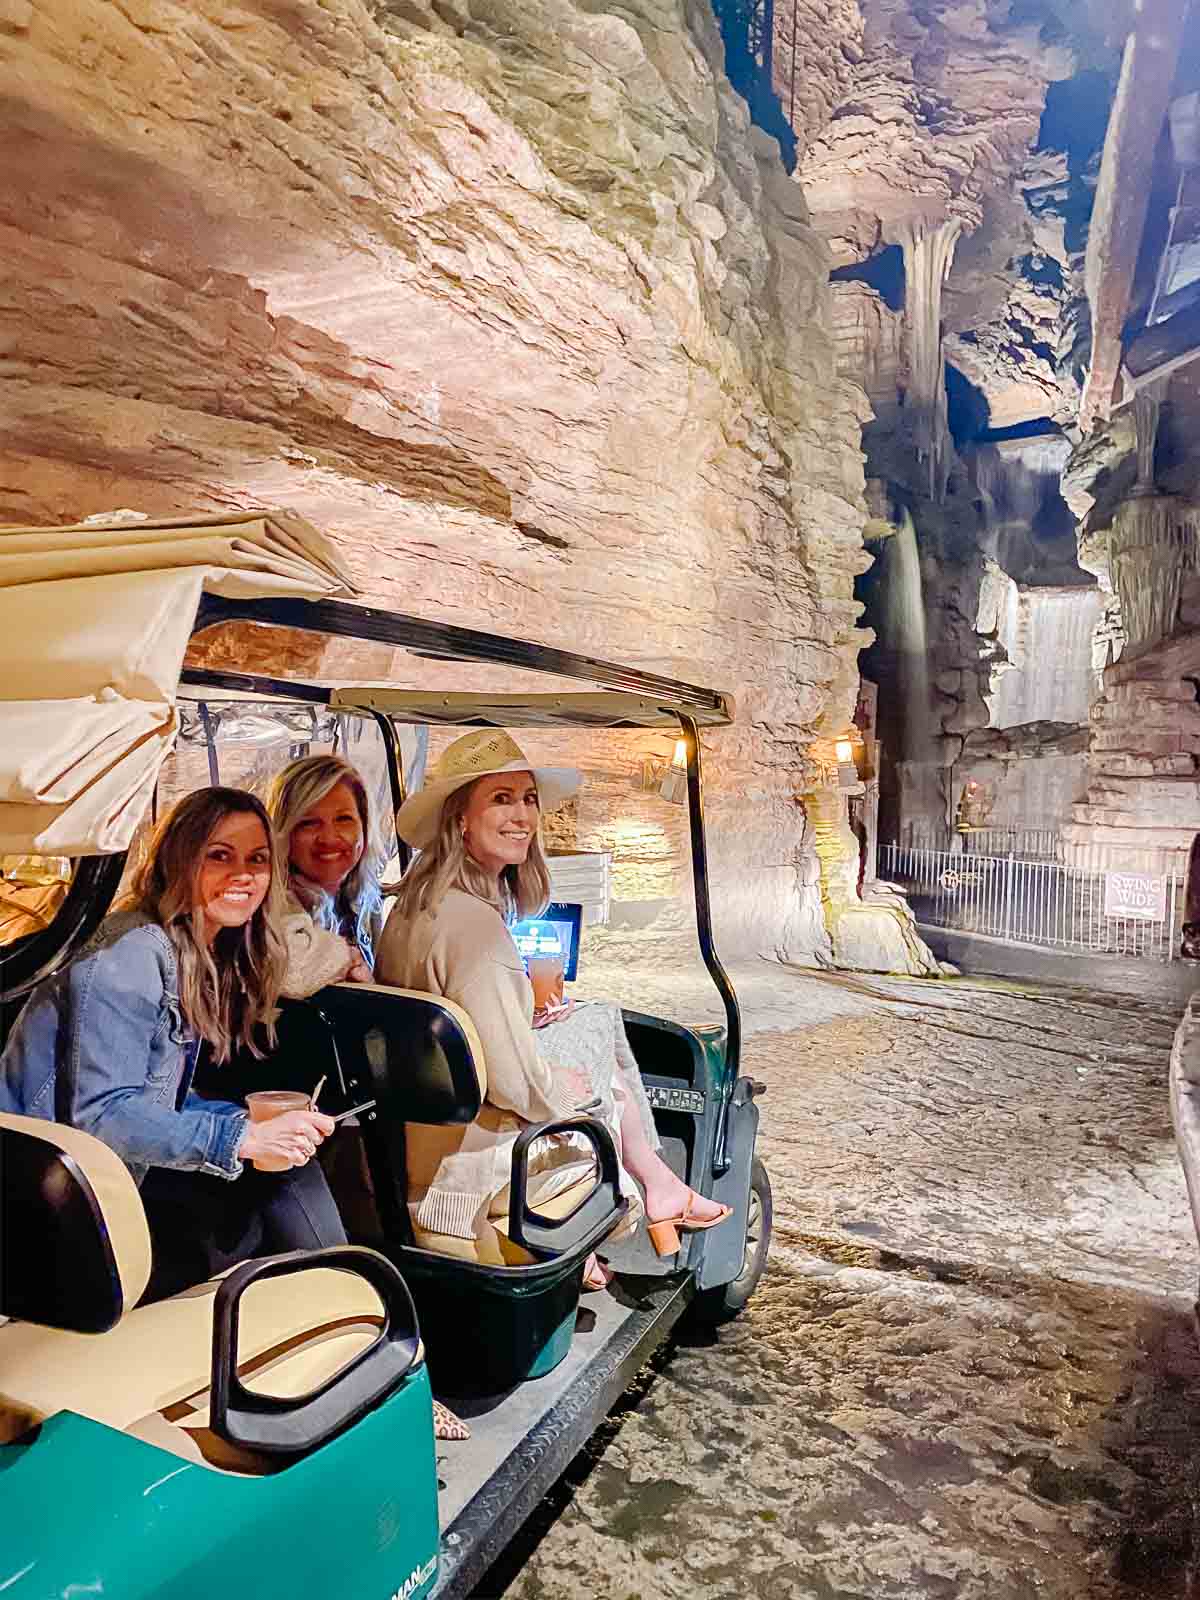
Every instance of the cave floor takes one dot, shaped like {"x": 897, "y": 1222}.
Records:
{"x": 971, "y": 1369}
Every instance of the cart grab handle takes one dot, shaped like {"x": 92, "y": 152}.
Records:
{"x": 278, "y": 1426}
{"x": 592, "y": 1220}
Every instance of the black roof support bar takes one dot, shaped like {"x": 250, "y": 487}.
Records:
{"x": 441, "y": 640}
{"x": 253, "y": 683}
{"x": 704, "y": 929}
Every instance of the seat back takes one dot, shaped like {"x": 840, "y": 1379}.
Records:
{"x": 74, "y": 1245}
{"x": 416, "y": 1054}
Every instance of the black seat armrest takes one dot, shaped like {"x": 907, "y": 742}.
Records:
{"x": 592, "y": 1220}
{"x": 277, "y": 1426}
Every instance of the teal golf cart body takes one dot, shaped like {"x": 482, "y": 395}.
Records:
{"x": 271, "y": 1431}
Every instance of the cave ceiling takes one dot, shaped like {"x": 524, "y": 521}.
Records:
{"x": 980, "y": 114}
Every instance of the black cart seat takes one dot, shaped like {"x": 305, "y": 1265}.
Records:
{"x": 419, "y": 1058}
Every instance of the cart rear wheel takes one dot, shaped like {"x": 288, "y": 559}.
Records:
{"x": 727, "y": 1299}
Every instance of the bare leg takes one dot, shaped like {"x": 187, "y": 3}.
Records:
{"x": 665, "y": 1193}
{"x": 595, "y": 1274}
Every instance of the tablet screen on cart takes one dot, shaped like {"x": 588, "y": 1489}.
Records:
{"x": 555, "y": 932}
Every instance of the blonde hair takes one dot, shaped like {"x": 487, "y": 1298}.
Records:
{"x": 227, "y": 990}
{"x": 295, "y": 791}
{"x": 521, "y": 891}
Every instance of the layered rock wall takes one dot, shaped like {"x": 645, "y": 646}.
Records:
{"x": 508, "y": 299}
{"x": 1141, "y": 809}
{"x": 870, "y": 343}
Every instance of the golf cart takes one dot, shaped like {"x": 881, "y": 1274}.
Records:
{"x": 192, "y": 1436}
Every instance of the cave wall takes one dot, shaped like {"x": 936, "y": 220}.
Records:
{"x": 969, "y": 136}
{"x": 508, "y": 299}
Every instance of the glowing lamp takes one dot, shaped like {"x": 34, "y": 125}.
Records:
{"x": 674, "y": 784}
{"x": 847, "y": 767}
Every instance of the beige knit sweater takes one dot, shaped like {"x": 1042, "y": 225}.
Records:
{"x": 464, "y": 952}
{"x": 315, "y": 957}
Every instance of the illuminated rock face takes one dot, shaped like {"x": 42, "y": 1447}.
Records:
{"x": 933, "y": 112}
{"x": 509, "y": 300}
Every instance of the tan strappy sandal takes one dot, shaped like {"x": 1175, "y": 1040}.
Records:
{"x": 664, "y": 1234}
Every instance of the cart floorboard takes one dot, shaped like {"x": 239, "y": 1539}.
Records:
{"x": 522, "y": 1441}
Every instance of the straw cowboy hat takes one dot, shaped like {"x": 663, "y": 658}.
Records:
{"x": 476, "y": 755}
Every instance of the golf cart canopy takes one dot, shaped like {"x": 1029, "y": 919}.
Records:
{"x": 95, "y": 620}
{"x": 598, "y": 709}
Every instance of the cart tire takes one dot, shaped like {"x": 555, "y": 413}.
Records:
{"x": 722, "y": 1304}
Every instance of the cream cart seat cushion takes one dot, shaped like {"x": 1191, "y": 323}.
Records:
{"x": 116, "y": 1195}
{"x": 161, "y": 1354}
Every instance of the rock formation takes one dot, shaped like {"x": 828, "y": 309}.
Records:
{"x": 518, "y": 305}
{"x": 968, "y": 138}
{"x": 511, "y": 300}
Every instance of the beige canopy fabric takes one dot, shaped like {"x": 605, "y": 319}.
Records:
{"x": 246, "y": 556}
{"x": 94, "y": 622}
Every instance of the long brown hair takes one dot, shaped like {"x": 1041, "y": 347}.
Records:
{"x": 522, "y": 891}
{"x": 227, "y": 990}
{"x": 296, "y": 790}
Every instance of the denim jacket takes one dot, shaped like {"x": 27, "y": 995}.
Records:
{"x": 102, "y": 1045}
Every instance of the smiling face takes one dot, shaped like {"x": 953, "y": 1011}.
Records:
{"x": 234, "y": 874}
{"x": 500, "y": 820}
{"x": 328, "y": 841}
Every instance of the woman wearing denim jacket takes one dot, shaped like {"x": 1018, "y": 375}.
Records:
{"x": 110, "y": 1044}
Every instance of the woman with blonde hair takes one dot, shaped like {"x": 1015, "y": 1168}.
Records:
{"x": 194, "y": 958}
{"x": 322, "y": 817}
{"x": 476, "y": 822}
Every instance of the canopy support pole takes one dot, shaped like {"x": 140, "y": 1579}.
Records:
{"x": 704, "y": 931}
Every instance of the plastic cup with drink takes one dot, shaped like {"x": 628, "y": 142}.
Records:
{"x": 264, "y": 1104}
{"x": 546, "y": 970}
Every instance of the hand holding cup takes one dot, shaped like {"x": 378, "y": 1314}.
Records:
{"x": 283, "y": 1131}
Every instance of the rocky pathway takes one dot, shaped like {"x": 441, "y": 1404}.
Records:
{"x": 971, "y": 1372}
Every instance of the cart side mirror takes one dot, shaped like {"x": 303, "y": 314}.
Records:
{"x": 278, "y": 1425}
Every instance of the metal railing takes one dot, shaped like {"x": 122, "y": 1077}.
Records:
{"x": 1042, "y": 843}
{"x": 1030, "y": 901}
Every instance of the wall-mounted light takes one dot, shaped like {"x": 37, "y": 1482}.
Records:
{"x": 666, "y": 778}
{"x": 674, "y": 784}
{"x": 847, "y": 767}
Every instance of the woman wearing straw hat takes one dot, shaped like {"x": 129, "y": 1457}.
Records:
{"x": 476, "y": 822}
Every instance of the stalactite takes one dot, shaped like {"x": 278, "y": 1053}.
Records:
{"x": 928, "y": 256}
{"x": 1147, "y": 406}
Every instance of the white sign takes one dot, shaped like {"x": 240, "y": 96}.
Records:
{"x": 1135, "y": 894}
